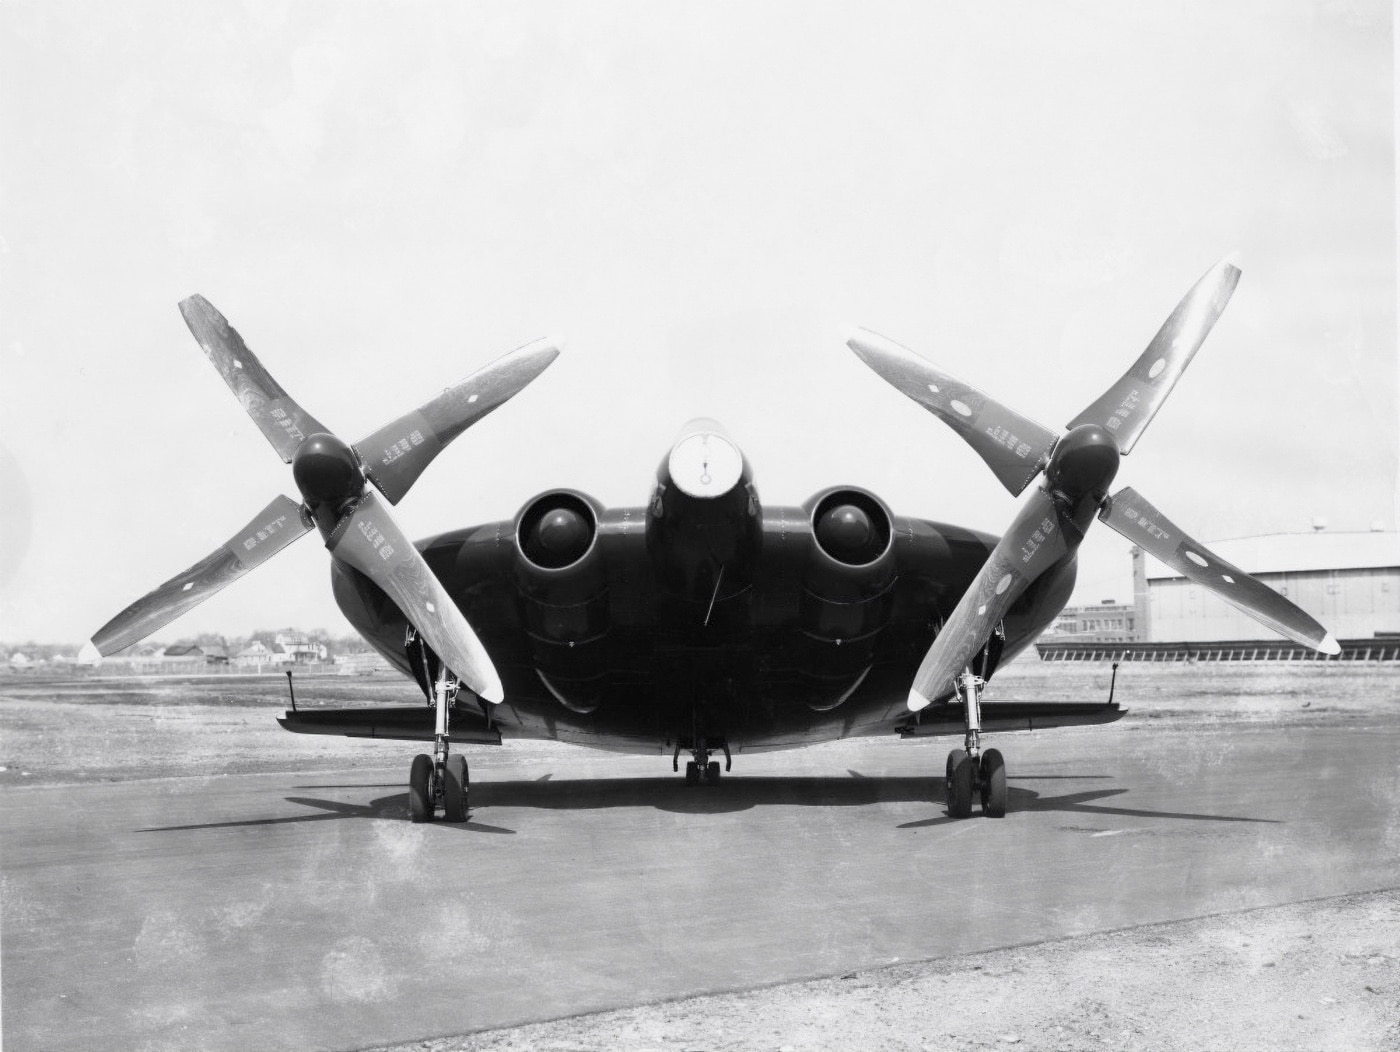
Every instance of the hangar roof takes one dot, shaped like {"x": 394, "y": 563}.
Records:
{"x": 1301, "y": 552}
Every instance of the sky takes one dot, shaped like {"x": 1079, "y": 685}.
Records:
{"x": 703, "y": 199}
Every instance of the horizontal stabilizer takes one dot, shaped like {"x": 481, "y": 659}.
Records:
{"x": 1012, "y": 716}
{"x": 408, "y": 723}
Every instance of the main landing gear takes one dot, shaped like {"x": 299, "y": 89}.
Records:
{"x": 971, "y": 771}
{"x": 440, "y": 780}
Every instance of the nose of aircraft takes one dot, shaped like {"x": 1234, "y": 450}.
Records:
{"x": 704, "y": 461}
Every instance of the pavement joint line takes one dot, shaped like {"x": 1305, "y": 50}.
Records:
{"x": 726, "y": 991}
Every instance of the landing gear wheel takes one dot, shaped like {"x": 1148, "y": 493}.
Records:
{"x": 455, "y": 789}
{"x": 692, "y": 773}
{"x": 993, "y": 784}
{"x": 712, "y": 773}
{"x": 420, "y": 789}
{"x": 955, "y": 757}
{"x": 959, "y": 786}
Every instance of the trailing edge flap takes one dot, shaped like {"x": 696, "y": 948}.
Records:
{"x": 947, "y": 717}
{"x": 399, "y": 722}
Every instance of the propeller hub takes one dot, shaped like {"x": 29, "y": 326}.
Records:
{"x": 847, "y": 533}
{"x": 1084, "y": 462}
{"x": 560, "y": 538}
{"x": 327, "y": 471}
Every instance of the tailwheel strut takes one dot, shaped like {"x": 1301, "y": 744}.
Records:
{"x": 971, "y": 772}
{"x": 702, "y": 770}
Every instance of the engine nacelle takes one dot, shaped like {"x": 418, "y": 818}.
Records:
{"x": 847, "y": 587}
{"x": 704, "y": 523}
{"x": 559, "y": 568}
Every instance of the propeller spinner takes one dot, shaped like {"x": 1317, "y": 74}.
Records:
{"x": 1079, "y": 467}
{"x": 337, "y": 483}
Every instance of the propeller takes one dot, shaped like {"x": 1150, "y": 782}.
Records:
{"x": 274, "y": 528}
{"x": 335, "y": 481}
{"x": 1130, "y": 514}
{"x": 1079, "y": 467}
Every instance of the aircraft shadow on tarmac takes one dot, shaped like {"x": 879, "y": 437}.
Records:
{"x": 731, "y": 795}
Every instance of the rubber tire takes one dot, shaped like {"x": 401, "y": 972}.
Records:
{"x": 960, "y": 779}
{"x": 954, "y": 758}
{"x": 420, "y": 789}
{"x": 993, "y": 784}
{"x": 712, "y": 772}
{"x": 456, "y": 789}
{"x": 692, "y": 773}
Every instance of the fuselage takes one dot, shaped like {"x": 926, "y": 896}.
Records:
{"x": 703, "y": 615}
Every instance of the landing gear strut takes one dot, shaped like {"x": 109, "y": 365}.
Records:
{"x": 441, "y": 779}
{"x": 702, "y": 770}
{"x": 971, "y": 771}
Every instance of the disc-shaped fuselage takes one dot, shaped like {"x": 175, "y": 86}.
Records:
{"x": 759, "y": 627}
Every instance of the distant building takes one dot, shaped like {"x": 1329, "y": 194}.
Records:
{"x": 1109, "y": 622}
{"x": 296, "y": 651}
{"x": 256, "y": 655}
{"x": 193, "y": 657}
{"x": 1350, "y": 582}
{"x": 146, "y": 657}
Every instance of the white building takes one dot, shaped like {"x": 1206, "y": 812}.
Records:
{"x": 1350, "y": 582}
{"x": 295, "y": 650}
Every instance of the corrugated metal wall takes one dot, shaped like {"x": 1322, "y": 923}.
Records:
{"x": 1351, "y": 604}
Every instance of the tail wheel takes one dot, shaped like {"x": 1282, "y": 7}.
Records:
{"x": 960, "y": 779}
{"x": 455, "y": 789}
{"x": 993, "y": 784}
{"x": 420, "y": 789}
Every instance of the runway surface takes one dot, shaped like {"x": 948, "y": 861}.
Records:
{"x": 285, "y": 911}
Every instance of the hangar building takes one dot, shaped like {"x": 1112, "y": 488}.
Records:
{"x": 1350, "y": 582}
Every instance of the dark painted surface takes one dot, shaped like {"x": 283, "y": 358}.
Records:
{"x": 805, "y": 650}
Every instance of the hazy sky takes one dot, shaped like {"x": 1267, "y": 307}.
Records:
{"x": 704, "y": 198}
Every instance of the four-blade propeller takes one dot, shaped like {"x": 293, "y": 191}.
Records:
{"x": 337, "y": 484}
{"x": 1079, "y": 467}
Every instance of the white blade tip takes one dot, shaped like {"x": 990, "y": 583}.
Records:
{"x": 492, "y": 691}
{"x": 1329, "y": 645}
{"x": 917, "y": 701}
{"x": 861, "y": 338}
{"x": 89, "y": 655}
{"x": 547, "y": 345}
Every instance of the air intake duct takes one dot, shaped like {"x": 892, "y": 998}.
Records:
{"x": 559, "y": 569}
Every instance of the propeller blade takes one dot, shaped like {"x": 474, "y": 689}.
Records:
{"x": 275, "y": 527}
{"x": 1132, "y": 516}
{"x": 396, "y": 454}
{"x": 368, "y": 539}
{"x": 1012, "y": 445}
{"x": 1127, "y": 407}
{"x": 284, "y": 423}
{"x": 1036, "y": 539}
